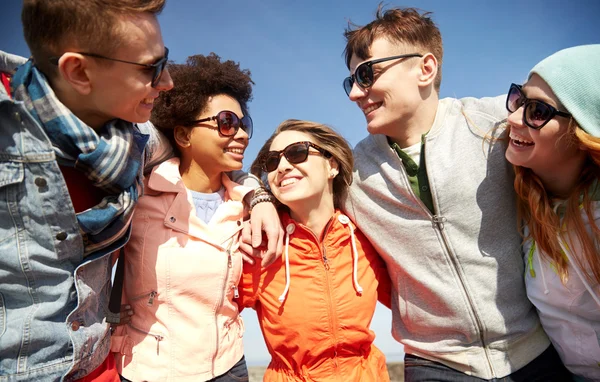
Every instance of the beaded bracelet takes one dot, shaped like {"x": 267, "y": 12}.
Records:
{"x": 262, "y": 197}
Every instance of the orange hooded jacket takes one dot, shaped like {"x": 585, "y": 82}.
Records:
{"x": 316, "y": 303}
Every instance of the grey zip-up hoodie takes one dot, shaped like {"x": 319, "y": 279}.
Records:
{"x": 459, "y": 296}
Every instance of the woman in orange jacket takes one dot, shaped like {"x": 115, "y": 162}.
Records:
{"x": 316, "y": 303}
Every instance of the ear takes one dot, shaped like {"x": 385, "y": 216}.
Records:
{"x": 182, "y": 136}
{"x": 333, "y": 167}
{"x": 73, "y": 68}
{"x": 428, "y": 69}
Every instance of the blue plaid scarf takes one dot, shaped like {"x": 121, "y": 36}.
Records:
{"x": 112, "y": 157}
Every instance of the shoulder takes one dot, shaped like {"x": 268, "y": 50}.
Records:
{"x": 491, "y": 107}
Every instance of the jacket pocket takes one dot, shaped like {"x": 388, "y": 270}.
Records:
{"x": 11, "y": 177}
{"x": 2, "y": 316}
{"x": 147, "y": 298}
{"x": 157, "y": 337}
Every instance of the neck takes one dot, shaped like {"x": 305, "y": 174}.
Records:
{"x": 76, "y": 103}
{"x": 196, "y": 179}
{"x": 562, "y": 180}
{"x": 419, "y": 123}
{"x": 315, "y": 216}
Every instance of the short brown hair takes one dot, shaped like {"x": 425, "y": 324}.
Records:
{"x": 328, "y": 139}
{"x": 49, "y": 25}
{"x": 403, "y": 25}
{"x": 195, "y": 81}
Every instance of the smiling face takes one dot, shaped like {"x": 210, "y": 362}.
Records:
{"x": 305, "y": 185}
{"x": 395, "y": 94}
{"x": 549, "y": 151}
{"x": 208, "y": 149}
{"x": 121, "y": 90}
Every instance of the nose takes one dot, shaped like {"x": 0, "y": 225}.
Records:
{"x": 284, "y": 166}
{"x": 241, "y": 135}
{"x": 516, "y": 119}
{"x": 166, "y": 82}
{"x": 357, "y": 92}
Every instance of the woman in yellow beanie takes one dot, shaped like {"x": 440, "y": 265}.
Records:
{"x": 554, "y": 130}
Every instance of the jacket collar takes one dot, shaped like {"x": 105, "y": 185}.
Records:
{"x": 181, "y": 216}
{"x": 166, "y": 178}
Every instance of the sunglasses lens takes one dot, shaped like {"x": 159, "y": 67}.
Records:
{"x": 247, "y": 125}
{"x": 228, "y": 123}
{"x": 364, "y": 75}
{"x": 348, "y": 82}
{"x": 537, "y": 114}
{"x": 271, "y": 161}
{"x": 514, "y": 100}
{"x": 160, "y": 68}
{"x": 296, "y": 152}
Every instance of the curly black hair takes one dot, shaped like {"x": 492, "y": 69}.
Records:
{"x": 195, "y": 81}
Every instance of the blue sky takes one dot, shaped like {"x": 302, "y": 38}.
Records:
{"x": 294, "y": 51}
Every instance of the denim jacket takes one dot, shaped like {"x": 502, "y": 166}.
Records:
{"x": 53, "y": 301}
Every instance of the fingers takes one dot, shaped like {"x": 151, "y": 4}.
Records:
{"x": 125, "y": 314}
{"x": 275, "y": 247}
{"x": 247, "y": 258}
{"x": 256, "y": 226}
{"x": 246, "y": 233}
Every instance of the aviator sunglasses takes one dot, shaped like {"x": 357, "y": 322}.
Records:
{"x": 228, "y": 123}
{"x": 363, "y": 74}
{"x": 536, "y": 114}
{"x": 158, "y": 67}
{"x": 294, "y": 153}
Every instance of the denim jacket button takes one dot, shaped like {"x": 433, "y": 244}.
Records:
{"x": 41, "y": 182}
{"x": 61, "y": 236}
{"x": 75, "y": 325}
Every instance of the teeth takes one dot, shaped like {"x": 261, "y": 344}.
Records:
{"x": 371, "y": 108}
{"x": 520, "y": 141}
{"x": 235, "y": 151}
{"x": 148, "y": 100}
{"x": 288, "y": 181}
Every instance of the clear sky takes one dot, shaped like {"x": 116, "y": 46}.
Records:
{"x": 294, "y": 50}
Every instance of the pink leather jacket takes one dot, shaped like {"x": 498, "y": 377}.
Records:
{"x": 181, "y": 277}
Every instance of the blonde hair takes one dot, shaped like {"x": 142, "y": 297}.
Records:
{"x": 535, "y": 209}
{"x": 325, "y": 137}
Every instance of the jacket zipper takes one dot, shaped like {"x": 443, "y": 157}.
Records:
{"x": 156, "y": 336}
{"x": 222, "y": 299}
{"x": 332, "y": 311}
{"x": 151, "y": 296}
{"x": 438, "y": 222}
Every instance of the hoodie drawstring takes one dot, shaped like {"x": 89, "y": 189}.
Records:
{"x": 286, "y": 258}
{"x": 288, "y": 231}
{"x": 358, "y": 288}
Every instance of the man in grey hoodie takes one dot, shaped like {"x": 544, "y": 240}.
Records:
{"x": 434, "y": 194}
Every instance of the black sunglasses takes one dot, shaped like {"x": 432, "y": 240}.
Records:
{"x": 158, "y": 67}
{"x": 228, "y": 123}
{"x": 363, "y": 74}
{"x": 536, "y": 114}
{"x": 294, "y": 153}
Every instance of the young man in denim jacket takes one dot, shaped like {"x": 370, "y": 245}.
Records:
{"x": 71, "y": 167}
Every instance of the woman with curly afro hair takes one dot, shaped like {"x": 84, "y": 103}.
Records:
{"x": 183, "y": 261}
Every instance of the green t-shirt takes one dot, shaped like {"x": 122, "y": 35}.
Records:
{"x": 417, "y": 173}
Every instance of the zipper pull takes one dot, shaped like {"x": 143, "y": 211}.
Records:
{"x": 158, "y": 339}
{"x": 236, "y": 294}
{"x": 325, "y": 262}
{"x": 438, "y": 221}
{"x": 151, "y": 298}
